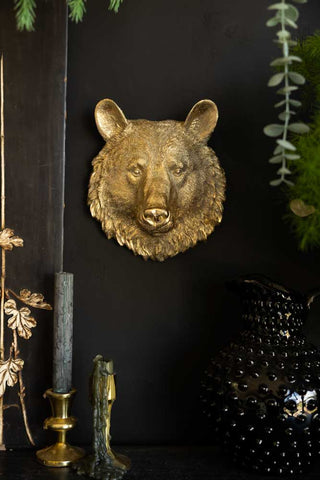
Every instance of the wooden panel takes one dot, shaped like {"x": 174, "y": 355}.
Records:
{"x": 35, "y": 87}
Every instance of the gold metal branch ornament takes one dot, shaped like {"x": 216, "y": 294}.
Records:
{"x": 19, "y": 319}
{"x": 103, "y": 463}
{"x": 156, "y": 186}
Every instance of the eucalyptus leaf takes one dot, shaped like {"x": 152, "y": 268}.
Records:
{"x": 292, "y": 13}
{"x": 294, "y": 58}
{"x": 278, "y": 150}
{"x": 276, "y": 159}
{"x": 285, "y": 60}
{"x": 279, "y": 61}
{"x": 284, "y": 171}
{"x": 285, "y": 90}
{"x": 273, "y": 130}
{"x": 278, "y": 6}
{"x": 288, "y": 182}
{"x": 276, "y": 79}
{"x": 284, "y": 35}
{"x": 284, "y": 116}
{"x": 298, "y": 128}
{"x": 287, "y": 145}
{"x": 291, "y": 23}
{"x": 295, "y": 103}
{"x": 275, "y": 183}
{"x": 292, "y": 156}
{"x": 297, "y": 78}
{"x": 280, "y": 104}
{"x": 273, "y": 21}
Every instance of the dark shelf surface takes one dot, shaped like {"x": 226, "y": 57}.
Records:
{"x": 148, "y": 463}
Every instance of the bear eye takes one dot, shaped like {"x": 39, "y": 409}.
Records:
{"x": 136, "y": 171}
{"x": 177, "y": 171}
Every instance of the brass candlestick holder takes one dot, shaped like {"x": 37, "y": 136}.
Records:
{"x": 60, "y": 454}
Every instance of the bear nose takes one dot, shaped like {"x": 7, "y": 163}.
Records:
{"x": 156, "y": 217}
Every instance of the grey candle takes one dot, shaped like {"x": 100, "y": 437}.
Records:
{"x": 62, "y": 333}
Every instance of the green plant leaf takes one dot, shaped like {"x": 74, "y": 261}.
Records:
{"x": 273, "y": 21}
{"x": 300, "y": 1}
{"x": 285, "y": 90}
{"x": 115, "y": 5}
{"x": 278, "y": 150}
{"x": 280, "y": 104}
{"x": 292, "y": 156}
{"x": 276, "y": 79}
{"x": 77, "y": 10}
{"x": 278, "y": 6}
{"x": 299, "y": 128}
{"x": 273, "y": 130}
{"x": 275, "y": 183}
{"x": 279, "y": 61}
{"x": 287, "y": 145}
{"x": 295, "y": 103}
{"x": 297, "y": 78}
{"x": 25, "y": 14}
{"x": 284, "y": 115}
{"x": 292, "y": 13}
{"x": 284, "y": 171}
{"x": 288, "y": 182}
{"x": 292, "y": 43}
{"x": 276, "y": 159}
{"x": 291, "y": 23}
{"x": 284, "y": 35}
{"x": 285, "y": 60}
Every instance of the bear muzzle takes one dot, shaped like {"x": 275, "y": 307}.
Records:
{"x": 156, "y": 220}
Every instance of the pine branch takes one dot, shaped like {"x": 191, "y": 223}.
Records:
{"x": 77, "y": 10}
{"x": 115, "y": 5}
{"x": 25, "y": 14}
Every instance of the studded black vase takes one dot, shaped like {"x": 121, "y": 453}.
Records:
{"x": 262, "y": 391}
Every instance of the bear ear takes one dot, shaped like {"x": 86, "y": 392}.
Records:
{"x": 202, "y": 119}
{"x": 110, "y": 119}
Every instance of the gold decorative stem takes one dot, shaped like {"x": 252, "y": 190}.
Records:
{"x": 22, "y": 391}
{"x": 3, "y": 253}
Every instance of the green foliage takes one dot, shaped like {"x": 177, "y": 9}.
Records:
{"x": 25, "y": 11}
{"x": 285, "y": 18}
{"x": 306, "y": 169}
{"x": 77, "y": 9}
{"x": 115, "y": 5}
{"x": 25, "y": 14}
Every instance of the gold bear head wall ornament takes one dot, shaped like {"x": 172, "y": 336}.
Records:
{"x": 156, "y": 186}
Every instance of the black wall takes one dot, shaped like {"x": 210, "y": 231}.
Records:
{"x": 161, "y": 322}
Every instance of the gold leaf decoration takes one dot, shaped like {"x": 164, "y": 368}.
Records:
{"x": 35, "y": 300}
{"x": 20, "y": 320}
{"x": 8, "y": 240}
{"x": 8, "y": 372}
{"x": 300, "y": 208}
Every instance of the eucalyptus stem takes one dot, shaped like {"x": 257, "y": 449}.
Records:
{"x": 286, "y": 16}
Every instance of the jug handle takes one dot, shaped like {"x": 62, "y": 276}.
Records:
{"x": 312, "y": 296}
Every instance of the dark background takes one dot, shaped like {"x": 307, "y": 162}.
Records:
{"x": 34, "y": 79}
{"x": 161, "y": 322}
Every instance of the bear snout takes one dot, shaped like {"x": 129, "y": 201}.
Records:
{"x": 156, "y": 220}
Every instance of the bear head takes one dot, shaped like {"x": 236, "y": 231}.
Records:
{"x": 156, "y": 186}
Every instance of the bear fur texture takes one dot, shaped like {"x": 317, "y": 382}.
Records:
{"x": 156, "y": 186}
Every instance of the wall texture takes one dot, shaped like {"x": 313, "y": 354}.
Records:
{"x": 161, "y": 322}
{"x": 35, "y": 69}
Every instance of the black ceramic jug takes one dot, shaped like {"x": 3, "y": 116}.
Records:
{"x": 262, "y": 391}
